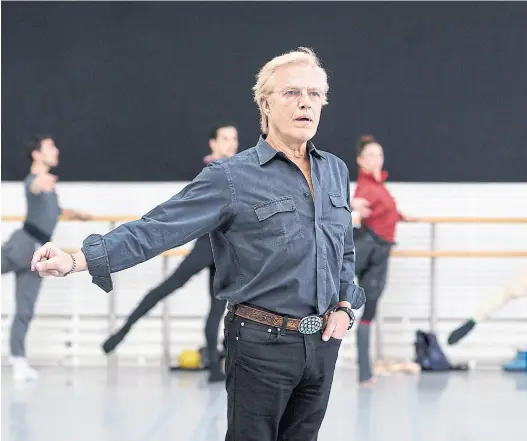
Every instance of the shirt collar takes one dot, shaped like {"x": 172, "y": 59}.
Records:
{"x": 266, "y": 152}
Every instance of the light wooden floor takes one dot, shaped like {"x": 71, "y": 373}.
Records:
{"x": 90, "y": 404}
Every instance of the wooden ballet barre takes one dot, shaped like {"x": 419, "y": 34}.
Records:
{"x": 181, "y": 252}
{"x": 472, "y": 220}
{"x": 120, "y": 218}
{"x": 458, "y": 253}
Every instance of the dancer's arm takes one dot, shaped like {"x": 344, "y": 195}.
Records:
{"x": 70, "y": 213}
{"x": 205, "y": 204}
{"x": 41, "y": 183}
{"x": 407, "y": 218}
{"x": 361, "y": 202}
{"x": 361, "y": 206}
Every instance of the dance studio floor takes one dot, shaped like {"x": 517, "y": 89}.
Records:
{"x": 90, "y": 404}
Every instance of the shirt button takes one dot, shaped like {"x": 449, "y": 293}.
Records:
{"x": 306, "y": 194}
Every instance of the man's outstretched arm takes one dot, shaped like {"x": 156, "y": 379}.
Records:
{"x": 205, "y": 204}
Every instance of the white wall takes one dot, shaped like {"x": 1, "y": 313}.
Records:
{"x": 74, "y": 310}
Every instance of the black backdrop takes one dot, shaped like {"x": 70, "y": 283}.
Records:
{"x": 129, "y": 90}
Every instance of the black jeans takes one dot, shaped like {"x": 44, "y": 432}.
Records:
{"x": 278, "y": 386}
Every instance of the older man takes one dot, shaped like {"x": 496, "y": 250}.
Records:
{"x": 280, "y": 227}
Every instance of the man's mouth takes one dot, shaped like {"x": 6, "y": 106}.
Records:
{"x": 303, "y": 118}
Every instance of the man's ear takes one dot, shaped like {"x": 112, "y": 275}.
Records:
{"x": 265, "y": 106}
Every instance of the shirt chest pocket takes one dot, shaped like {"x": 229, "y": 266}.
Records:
{"x": 279, "y": 221}
{"x": 338, "y": 213}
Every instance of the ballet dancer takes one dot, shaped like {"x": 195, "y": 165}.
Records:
{"x": 374, "y": 239}
{"x": 223, "y": 142}
{"x": 43, "y": 211}
{"x": 514, "y": 289}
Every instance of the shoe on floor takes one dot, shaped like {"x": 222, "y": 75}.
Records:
{"x": 22, "y": 371}
{"x": 215, "y": 374}
{"x": 518, "y": 363}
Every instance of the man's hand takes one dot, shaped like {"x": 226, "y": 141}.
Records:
{"x": 337, "y": 326}
{"x": 361, "y": 206}
{"x": 49, "y": 260}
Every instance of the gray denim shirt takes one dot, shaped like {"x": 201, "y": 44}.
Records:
{"x": 275, "y": 245}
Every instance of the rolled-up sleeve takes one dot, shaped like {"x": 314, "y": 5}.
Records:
{"x": 349, "y": 291}
{"x": 205, "y": 204}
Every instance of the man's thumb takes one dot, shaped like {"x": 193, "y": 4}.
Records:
{"x": 328, "y": 332}
{"x": 46, "y": 264}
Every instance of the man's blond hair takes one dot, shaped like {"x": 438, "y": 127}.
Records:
{"x": 262, "y": 88}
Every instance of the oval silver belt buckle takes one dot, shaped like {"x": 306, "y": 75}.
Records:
{"x": 310, "y": 324}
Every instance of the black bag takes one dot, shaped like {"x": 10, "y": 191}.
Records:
{"x": 430, "y": 356}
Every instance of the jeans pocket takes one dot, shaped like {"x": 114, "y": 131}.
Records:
{"x": 249, "y": 332}
{"x": 335, "y": 341}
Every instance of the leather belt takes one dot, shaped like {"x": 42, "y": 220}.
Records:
{"x": 307, "y": 325}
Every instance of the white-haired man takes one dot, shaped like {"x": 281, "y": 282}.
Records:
{"x": 280, "y": 227}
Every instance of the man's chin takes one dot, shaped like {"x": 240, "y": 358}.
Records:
{"x": 306, "y": 134}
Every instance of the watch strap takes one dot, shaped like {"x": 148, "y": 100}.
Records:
{"x": 350, "y": 313}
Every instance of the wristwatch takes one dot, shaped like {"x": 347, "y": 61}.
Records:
{"x": 350, "y": 313}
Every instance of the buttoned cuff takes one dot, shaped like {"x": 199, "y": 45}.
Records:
{"x": 96, "y": 256}
{"x": 349, "y": 292}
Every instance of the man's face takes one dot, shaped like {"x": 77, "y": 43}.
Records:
{"x": 371, "y": 158}
{"x": 48, "y": 153}
{"x": 294, "y": 106}
{"x": 226, "y": 143}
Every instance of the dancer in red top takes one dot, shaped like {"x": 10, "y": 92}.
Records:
{"x": 373, "y": 240}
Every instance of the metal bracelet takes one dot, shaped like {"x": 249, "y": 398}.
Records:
{"x": 73, "y": 267}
